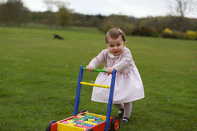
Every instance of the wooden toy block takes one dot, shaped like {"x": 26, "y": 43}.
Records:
{"x": 80, "y": 116}
{"x": 79, "y": 125}
{"x": 88, "y": 122}
{"x": 80, "y": 121}
{"x": 91, "y": 120}
{"x": 71, "y": 124}
{"x": 65, "y": 122}
{"x": 74, "y": 119}
{"x": 70, "y": 121}
{"x": 96, "y": 122}
{"x": 89, "y": 125}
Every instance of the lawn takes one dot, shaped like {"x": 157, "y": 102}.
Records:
{"x": 38, "y": 79}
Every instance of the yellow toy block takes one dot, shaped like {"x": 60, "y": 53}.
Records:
{"x": 91, "y": 123}
{"x": 100, "y": 116}
{"x": 67, "y": 127}
{"x": 91, "y": 120}
{"x": 88, "y": 122}
{"x": 80, "y": 116}
{"x": 70, "y": 121}
{"x": 94, "y": 123}
{"x": 71, "y": 124}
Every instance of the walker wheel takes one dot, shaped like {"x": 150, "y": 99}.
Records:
{"x": 49, "y": 125}
{"x": 82, "y": 111}
{"x": 89, "y": 130}
{"x": 115, "y": 124}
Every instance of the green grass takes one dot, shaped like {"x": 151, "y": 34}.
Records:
{"x": 38, "y": 79}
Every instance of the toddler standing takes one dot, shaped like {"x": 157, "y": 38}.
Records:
{"x": 128, "y": 84}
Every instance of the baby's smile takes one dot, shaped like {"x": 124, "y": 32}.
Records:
{"x": 116, "y": 53}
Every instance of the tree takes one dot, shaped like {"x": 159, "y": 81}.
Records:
{"x": 116, "y": 21}
{"x": 14, "y": 13}
{"x": 49, "y": 18}
{"x": 93, "y": 21}
{"x": 150, "y": 22}
{"x": 182, "y": 7}
{"x": 78, "y": 19}
{"x": 64, "y": 17}
{"x": 37, "y": 17}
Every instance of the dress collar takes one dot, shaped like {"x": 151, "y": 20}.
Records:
{"x": 112, "y": 56}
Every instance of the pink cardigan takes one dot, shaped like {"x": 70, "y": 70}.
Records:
{"x": 124, "y": 61}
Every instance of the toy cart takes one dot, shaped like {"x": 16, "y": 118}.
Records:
{"x": 86, "y": 121}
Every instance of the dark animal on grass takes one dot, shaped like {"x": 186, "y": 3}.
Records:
{"x": 58, "y": 37}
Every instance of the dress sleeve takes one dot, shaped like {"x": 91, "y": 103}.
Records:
{"x": 125, "y": 61}
{"x": 98, "y": 60}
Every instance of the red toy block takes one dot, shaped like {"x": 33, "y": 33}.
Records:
{"x": 79, "y": 125}
{"x": 80, "y": 121}
{"x": 65, "y": 122}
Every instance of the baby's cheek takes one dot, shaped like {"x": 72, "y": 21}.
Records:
{"x": 109, "y": 48}
{"x": 120, "y": 47}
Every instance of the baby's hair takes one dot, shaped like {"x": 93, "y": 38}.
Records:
{"x": 114, "y": 33}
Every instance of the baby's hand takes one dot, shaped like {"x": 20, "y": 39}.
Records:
{"x": 110, "y": 70}
{"x": 89, "y": 68}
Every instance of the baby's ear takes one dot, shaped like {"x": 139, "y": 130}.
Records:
{"x": 125, "y": 42}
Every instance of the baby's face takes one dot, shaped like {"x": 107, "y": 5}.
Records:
{"x": 115, "y": 46}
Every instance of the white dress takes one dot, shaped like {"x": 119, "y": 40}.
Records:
{"x": 128, "y": 84}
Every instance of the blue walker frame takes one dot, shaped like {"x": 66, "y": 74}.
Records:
{"x": 110, "y": 100}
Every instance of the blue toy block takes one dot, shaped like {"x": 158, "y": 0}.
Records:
{"x": 86, "y": 117}
{"x": 96, "y": 122}
{"x": 97, "y": 118}
{"x": 78, "y": 122}
{"x": 89, "y": 125}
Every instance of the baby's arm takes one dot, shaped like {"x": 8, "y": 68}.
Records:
{"x": 95, "y": 62}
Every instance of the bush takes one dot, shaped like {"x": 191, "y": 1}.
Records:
{"x": 141, "y": 31}
{"x": 154, "y": 32}
{"x": 167, "y": 35}
{"x": 115, "y": 22}
{"x": 167, "y": 30}
{"x": 196, "y": 33}
{"x": 144, "y": 31}
{"x": 180, "y": 35}
{"x": 191, "y": 35}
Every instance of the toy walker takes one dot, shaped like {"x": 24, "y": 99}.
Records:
{"x": 86, "y": 121}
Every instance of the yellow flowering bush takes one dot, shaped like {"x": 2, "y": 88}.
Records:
{"x": 167, "y": 30}
{"x": 191, "y": 35}
{"x": 173, "y": 34}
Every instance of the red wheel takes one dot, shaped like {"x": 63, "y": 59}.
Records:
{"x": 115, "y": 124}
{"x": 49, "y": 125}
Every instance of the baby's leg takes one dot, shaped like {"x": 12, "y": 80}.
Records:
{"x": 119, "y": 106}
{"x": 127, "y": 109}
{"x": 121, "y": 109}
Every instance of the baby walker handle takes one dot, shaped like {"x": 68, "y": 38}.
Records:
{"x": 96, "y": 70}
